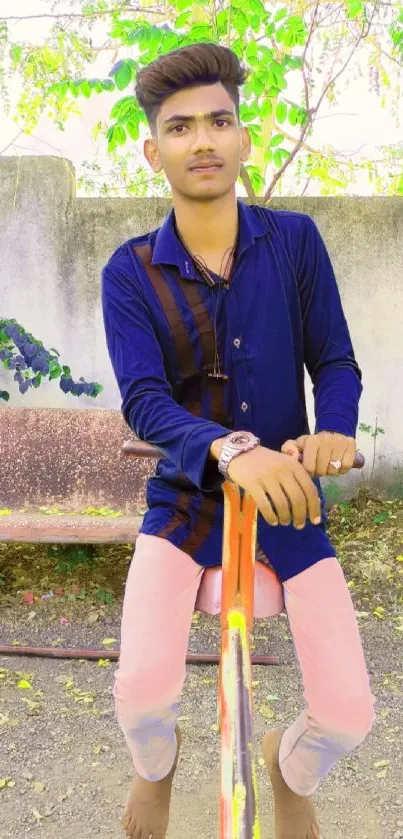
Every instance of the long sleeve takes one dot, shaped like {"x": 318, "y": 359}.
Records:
{"x": 328, "y": 351}
{"x": 147, "y": 403}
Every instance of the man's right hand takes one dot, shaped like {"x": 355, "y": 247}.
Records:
{"x": 281, "y": 487}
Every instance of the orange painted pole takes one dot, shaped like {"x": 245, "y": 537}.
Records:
{"x": 239, "y": 817}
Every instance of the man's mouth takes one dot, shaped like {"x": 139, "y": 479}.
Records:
{"x": 212, "y": 168}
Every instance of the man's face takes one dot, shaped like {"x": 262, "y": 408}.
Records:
{"x": 181, "y": 144}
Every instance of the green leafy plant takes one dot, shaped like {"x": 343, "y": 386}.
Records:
{"x": 313, "y": 44}
{"x": 32, "y": 363}
{"x": 69, "y": 557}
{"x": 374, "y": 432}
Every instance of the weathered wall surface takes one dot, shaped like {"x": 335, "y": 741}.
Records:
{"x": 53, "y": 247}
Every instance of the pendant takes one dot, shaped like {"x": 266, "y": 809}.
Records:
{"x": 222, "y": 377}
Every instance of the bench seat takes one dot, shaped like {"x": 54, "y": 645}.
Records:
{"x": 68, "y": 528}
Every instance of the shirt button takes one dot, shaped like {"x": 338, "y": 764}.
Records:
{"x": 244, "y": 406}
{"x": 237, "y": 343}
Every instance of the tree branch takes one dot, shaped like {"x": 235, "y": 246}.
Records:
{"x": 11, "y": 142}
{"x": 313, "y": 111}
{"x": 84, "y": 16}
{"x": 247, "y": 182}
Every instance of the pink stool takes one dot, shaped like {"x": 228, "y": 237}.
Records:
{"x": 268, "y": 599}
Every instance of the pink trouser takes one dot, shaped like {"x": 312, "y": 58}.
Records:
{"x": 159, "y": 601}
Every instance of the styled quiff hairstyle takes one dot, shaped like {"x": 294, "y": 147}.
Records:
{"x": 191, "y": 66}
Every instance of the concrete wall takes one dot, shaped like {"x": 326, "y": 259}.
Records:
{"x": 53, "y": 246}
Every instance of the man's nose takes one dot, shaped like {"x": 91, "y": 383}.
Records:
{"x": 203, "y": 136}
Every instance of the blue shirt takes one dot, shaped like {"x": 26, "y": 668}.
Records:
{"x": 281, "y": 311}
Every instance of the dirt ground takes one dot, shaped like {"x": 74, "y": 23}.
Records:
{"x": 65, "y": 768}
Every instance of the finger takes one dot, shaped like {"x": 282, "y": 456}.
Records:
{"x": 291, "y": 447}
{"x": 310, "y": 455}
{"x": 279, "y": 501}
{"x": 324, "y": 456}
{"x": 347, "y": 461}
{"x": 263, "y": 504}
{"x": 311, "y": 495}
{"x": 297, "y": 499}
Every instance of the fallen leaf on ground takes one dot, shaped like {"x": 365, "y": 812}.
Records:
{"x": 39, "y": 786}
{"x": 266, "y": 712}
{"x": 6, "y": 782}
{"x": 24, "y": 685}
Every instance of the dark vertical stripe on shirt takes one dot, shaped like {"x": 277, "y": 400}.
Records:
{"x": 183, "y": 345}
{"x": 207, "y": 337}
{"x": 180, "y": 334}
{"x": 206, "y": 333}
{"x": 179, "y": 516}
{"x": 201, "y": 528}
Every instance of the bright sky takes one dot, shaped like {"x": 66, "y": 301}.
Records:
{"x": 357, "y": 124}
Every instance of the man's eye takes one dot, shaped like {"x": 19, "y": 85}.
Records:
{"x": 182, "y": 125}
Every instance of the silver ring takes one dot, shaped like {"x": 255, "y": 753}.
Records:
{"x": 336, "y": 464}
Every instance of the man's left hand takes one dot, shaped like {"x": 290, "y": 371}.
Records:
{"x": 319, "y": 449}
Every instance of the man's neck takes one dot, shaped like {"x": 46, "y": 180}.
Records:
{"x": 207, "y": 228}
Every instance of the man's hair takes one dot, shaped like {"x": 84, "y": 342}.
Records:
{"x": 191, "y": 66}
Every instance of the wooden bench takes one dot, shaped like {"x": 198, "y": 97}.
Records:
{"x": 69, "y": 460}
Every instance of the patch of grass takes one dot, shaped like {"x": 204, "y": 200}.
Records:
{"x": 368, "y": 536}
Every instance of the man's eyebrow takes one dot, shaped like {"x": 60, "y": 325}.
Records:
{"x": 187, "y": 118}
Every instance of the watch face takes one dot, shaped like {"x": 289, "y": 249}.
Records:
{"x": 240, "y": 438}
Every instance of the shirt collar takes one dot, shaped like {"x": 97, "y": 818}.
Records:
{"x": 168, "y": 249}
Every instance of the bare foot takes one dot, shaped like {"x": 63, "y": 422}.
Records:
{"x": 295, "y": 816}
{"x": 147, "y": 805}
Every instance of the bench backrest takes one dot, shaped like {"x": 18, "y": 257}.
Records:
{"x": 69, "y": 458}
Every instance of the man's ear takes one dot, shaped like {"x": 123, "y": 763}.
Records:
{"x": 152, "y": 155}
{"x": 246, "y": 144}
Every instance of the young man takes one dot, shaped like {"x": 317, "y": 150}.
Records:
{"x": 209, "y": 321}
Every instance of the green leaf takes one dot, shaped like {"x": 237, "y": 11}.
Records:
{"x": 116, "y": 136}
{"x": 293, "y": 115}
{"x": 248, "y": 116}
{"x": 257, "y": 86}
{"x": 266, "y": 108}
{"x": 107, "y": 84}
{"x": 54, "y": 370}
{"x": 277, "y": 159}
{"x": 251, "y": 50}
{"x": 120, "y": 135}
{"x": 354, "y": 8}
{"x": 85, "y": 88}
{"x": 276, "y": 140}
{"x": 280, "y": 15}
{"x": 16, "y": 53}
{"x": 132, "y": 129}
{"x": 281, "y": 112}
{"x": 123, "y": 76}
{"x": 257, "y": 6}
{"x": 181, "y": 5}
{"x": 123, "y": 107}
{"x": 268, "y": 155}
{"x": 256, "y": 23}
{"x": 294, "y": 62}
{"x": 183, "y": 19}
{"x": 4, "y": 395}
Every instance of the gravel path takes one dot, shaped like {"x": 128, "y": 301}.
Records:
{"x": 65, "y": 768}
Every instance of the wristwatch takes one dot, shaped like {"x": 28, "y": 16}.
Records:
{"x": 236, "y": 443}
